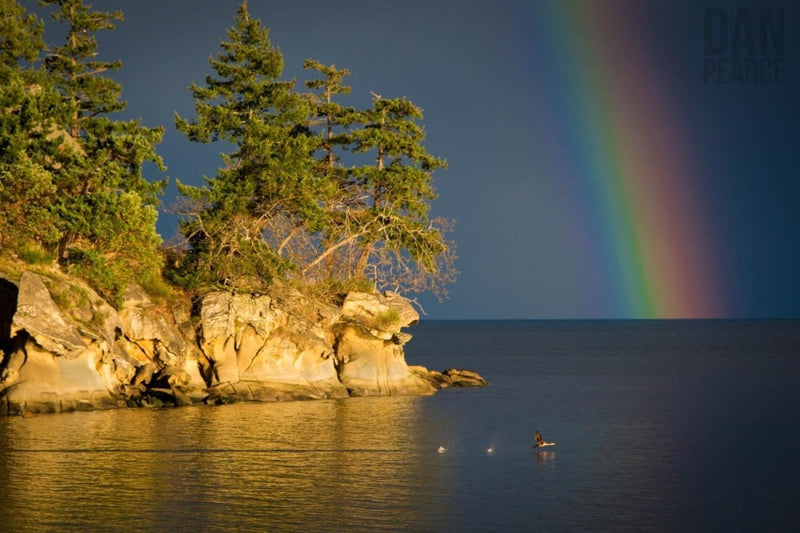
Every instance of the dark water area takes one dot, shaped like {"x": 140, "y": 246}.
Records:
{"x": 659, "y": 426}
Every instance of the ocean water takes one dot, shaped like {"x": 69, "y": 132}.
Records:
{"x": 659, "y": 426}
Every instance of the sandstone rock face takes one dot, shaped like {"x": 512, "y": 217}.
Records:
{"x": 451, "y": 377}
{"x": 39, "y": 315}
{"x": 370, "y": 346}
{"x": 258, "y": 351}
{"x": 388, "y": 312}
{"x": 49, "y": 365}
{"x": 83, "y": 354}
{"x": 63, "y": 348}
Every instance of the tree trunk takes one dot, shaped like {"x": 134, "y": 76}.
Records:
{"x": 320, "y": 258}
{"x": 363, "y": 260}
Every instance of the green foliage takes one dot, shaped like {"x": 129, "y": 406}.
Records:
{"x": 105, "y": 156}
{"x": 283, "y": 209}
{"x": 67, "y": 296}
{"x": 387, "y": 209}
{"x": 118, "y": 244}
{"x": 34, "y": 255}
{"x": 267, "y": 190}
{"x": 329, "y": 114}
{"x": 75, "y": 66}
{"x": 157, "y": 288}
{"x": 26, "y": 198}
{"x": 387, "y": 318}
{"x": 27, "y": 105}
{"x": 20, "y": 35}
{"x": 71, "y": 178}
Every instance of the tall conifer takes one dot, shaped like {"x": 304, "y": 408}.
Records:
{"x": 251, "y": 220}
{"x": 106, "y": 209}
{"x": 389, "y": 235}
{"x": 330, "y": 113}
{"x": 276, "y": 211}
{"x": 28, "y": 104}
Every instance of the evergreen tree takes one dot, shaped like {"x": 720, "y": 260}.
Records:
{"x": 102, "y": 193}
{"x": 395, "y": 242}
{"x": 332, "y": 121}
{"x": 332, "y": 114}
{"x": 275, "y": 211}
{"x": 27, "y": 104}
{"x": 251, "y": 222}
{"x": 20, "y": 35}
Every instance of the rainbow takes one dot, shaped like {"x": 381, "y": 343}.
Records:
{"x": 610, "y": 129}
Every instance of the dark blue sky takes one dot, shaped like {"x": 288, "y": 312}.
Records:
{"x": 486, "y": 77}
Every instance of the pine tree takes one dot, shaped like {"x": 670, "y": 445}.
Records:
{"x": 333, "y": 115}
{"x": 105, "y": 208}
{"x": 20, "y": 35}
{"x": 251, "y": 222}
{"x": 284, "y": 207}
{"x": 331, "y": 121}
{"x": 27, "y": 105}
{"x": 396, "y": 243}
{"x": 399, "y": 184}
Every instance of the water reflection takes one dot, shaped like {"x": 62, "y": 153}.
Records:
{"x": 544, "y": 458}
{"x": 334, "y": 465}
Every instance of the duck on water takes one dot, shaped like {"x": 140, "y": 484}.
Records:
{"x": 540, "y": 442}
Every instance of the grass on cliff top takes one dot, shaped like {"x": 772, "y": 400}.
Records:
{"x": 387, "y": 318}
{"x": 334, "y": 291}
{"x": 67, "y": 289}
{"x": 13, "y": 265}
{"x": 71, "y": 292}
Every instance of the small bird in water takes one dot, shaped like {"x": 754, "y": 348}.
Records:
{"x": 540, "y": 442}
{"x": 490, "y": 450}
{"x": 441, "y": 449}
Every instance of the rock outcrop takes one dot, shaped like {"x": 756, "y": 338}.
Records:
{"x": 258, "y": 351}
{"x": 63, "y": 348}
{"x": 370, "y": 343}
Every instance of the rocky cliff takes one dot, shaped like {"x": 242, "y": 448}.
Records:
{"x": 63, "y": 348}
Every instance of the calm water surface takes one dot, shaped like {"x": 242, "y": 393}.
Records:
{"x": 661, "y": 426}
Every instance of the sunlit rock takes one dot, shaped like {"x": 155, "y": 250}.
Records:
{"x": 258, "y": 351}
{"x": 464, "y": 378}
{"x": 372, "y": 365}
{"x": 62, "y": 347}
{"x": 166, "y": 365}
{"x": 451, "y": 377}
{"x": 40, "y": 317}
{"x": 383, "y": 313}
{"x": 50, "y": 383}
{"x": 369, "y": 346}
